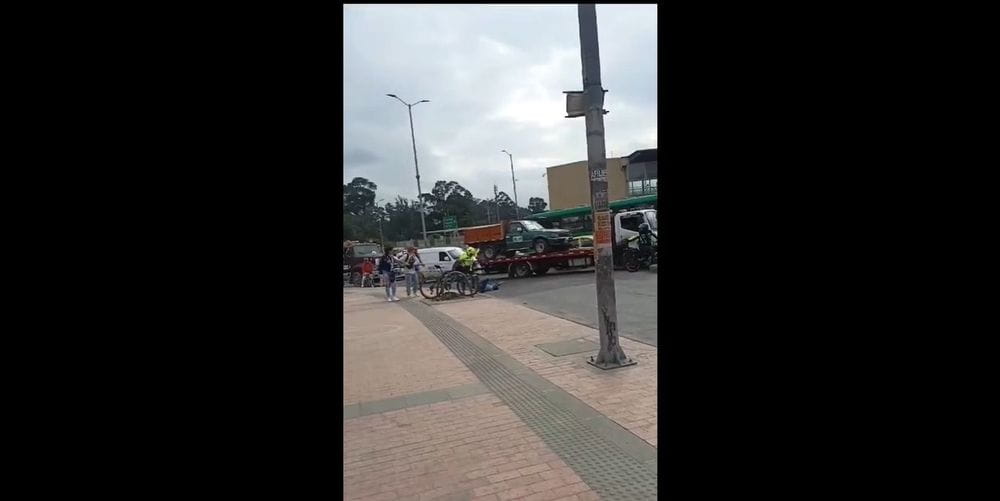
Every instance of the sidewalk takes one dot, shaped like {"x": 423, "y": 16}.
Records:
{"x": 627, "y": 396}
{"x": 436, "y": 410}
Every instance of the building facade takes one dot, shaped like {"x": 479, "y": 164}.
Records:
{"x": 642, "y": 173}
{"x": 631, "y": 176}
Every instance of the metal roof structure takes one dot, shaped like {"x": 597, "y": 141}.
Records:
{"x": 627, "y": 203}
{"x": 640, "y": 156}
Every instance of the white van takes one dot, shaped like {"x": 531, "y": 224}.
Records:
{"x": 445, "y": 257}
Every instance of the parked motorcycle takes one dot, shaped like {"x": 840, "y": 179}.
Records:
{"x": 637, "y": 257}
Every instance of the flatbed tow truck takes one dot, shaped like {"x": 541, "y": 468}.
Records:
{"x": 523, "y": 248}
{"x": 523, "y": 266}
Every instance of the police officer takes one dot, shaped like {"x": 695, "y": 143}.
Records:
{"x": 646, "y": 237}
{"x": 467, "y": 259}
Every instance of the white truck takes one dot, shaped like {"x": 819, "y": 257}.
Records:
{"x": 627, "y": 226}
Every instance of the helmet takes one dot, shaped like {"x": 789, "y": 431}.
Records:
{"x": 644, "y": 227}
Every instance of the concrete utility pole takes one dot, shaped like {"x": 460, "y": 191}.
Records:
{"x": 517, "y": 208}
{"x": 409, "y": 108}
{"x": 381, "y": 237}
{"x": 611, "y": 355}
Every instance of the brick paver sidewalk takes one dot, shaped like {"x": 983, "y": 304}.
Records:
{"x": 626, "y": 395}
{"x": 418, "y": 425}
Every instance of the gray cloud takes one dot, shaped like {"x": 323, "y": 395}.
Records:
{"x": 495, "y": 76}
{"x": 359, "y": 157}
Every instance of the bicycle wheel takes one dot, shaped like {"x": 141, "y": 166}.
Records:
{"x": 428, "y": 288}
{"x": 454, "y": 281}
{"x": 466, "y": 284}
{"x": 632, "y": 263}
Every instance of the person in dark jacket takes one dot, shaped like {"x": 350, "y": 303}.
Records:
{"x": 386, "y": 268}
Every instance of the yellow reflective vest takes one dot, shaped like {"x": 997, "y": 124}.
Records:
{"x": 468, "y": 257}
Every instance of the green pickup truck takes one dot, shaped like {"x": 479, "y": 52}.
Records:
{"x": 511, "y": 236}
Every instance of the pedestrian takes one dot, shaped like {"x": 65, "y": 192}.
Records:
{"x": 412, "y": 263}
{"x": 386, "y": 268}
{"x": 367, "y": 269}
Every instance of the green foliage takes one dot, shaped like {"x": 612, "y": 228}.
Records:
{"x": 401, "y": 220}
{"x": 359, "y": 196}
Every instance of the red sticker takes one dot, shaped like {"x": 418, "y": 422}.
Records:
{"x": 602, "y": 227}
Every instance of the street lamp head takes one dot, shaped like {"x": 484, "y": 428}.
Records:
{"x": 392, "y": 95}
{"x": 424, "y": 101}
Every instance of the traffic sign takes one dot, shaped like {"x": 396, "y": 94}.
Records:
{"x": 450, "y": 223}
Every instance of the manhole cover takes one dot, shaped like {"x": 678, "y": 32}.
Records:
{"x": 563, "y": 348}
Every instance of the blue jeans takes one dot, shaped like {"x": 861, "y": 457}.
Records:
{"x": 389, "y": 279}
{"x": 411, "y": 284}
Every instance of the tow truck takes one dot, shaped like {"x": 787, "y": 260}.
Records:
{"x": 520, "y": 265}
{"x": 523, "y": 266}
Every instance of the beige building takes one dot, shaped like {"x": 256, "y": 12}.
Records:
{"x": 634, "y": 175}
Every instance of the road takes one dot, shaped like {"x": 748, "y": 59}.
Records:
{"x": 572, "y": 295}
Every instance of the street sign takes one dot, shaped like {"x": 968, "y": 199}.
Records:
{"x": 576, "y": 105}
{"x": 450, "y": 223}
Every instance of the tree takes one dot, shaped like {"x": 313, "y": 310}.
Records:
{"x": 506, "y": 205}
{"x": 448, "y": 198}
{"x": 485, "y": 212}
{"x": 536, "y": 205}
{"x": 359, "y": 205}
{"x": 359, "y": 195}
{"x": 403, "y": 220}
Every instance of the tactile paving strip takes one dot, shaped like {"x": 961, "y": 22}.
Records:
{"x": 602, "y": 464}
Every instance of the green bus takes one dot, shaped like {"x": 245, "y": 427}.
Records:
{"x": 579, "y": 220}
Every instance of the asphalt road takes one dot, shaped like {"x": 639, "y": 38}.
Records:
{"x": 572, "y": 295}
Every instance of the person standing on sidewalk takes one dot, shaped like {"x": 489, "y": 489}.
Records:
{"x": 386, "y": 268}
{"x": 412, "y": 262}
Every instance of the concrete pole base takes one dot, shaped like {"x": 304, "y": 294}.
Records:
{"x": 610, "y": 365}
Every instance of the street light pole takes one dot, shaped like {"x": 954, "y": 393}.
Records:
{"x": 611, "y": 354}
{"x": 409, "y": 108}
{"x": 381, "y": 236}
{"x": 517, "y": 208}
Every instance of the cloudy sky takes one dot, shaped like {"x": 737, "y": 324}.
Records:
{"x": 495, "y": 76}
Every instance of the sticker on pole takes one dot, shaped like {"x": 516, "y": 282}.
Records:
{"x": 598, "y": 175}
{"x": 601, "y": 201}
{"x": 602, "y": 229}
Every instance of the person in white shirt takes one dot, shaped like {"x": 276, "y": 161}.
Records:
{"x": 411, "y": 265}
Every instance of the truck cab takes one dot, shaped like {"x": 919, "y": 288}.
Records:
{"x": 627, "y": 223}
{"x": 627, "y": 226}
